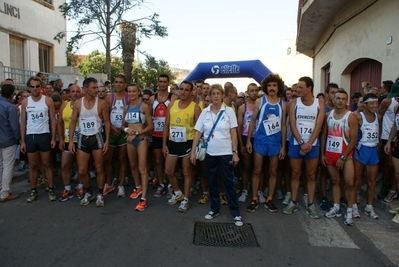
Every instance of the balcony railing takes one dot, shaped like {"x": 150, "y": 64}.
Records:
{"x": 21, "y": 76}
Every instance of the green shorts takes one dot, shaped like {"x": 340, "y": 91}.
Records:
{"x": 116, "y": 141}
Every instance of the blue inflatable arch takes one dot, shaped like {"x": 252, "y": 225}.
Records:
{"x": 233, "y": 69}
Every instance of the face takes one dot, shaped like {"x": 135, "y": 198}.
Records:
{"x": 207, "y": 101}
{"x": 24, "y": 95}
{"x": 102, "y": 93}
{"x": 60, "y": 84}
{"x": 198, "y": 86}
{"x": 360, "y": 105}
{"x": 234, "y": 94}
{"x": 75, "y": 92}
{"x": 371, "y": 106}
{"x": 119, "y": 84}
{"x": 145, "y": 98}
{"x": 185, "y": 91}
{"x": 272, "y": 88}
{"x": 332, "y": 93}
{"x": 294, "y": 92}
{"x": 216, "y": 96}
{"x": 91, "y": 89}
{"x": 35, "y": 87}
{"x": 340, "y": 100}
{"x": 302, "y": 89}
{"x": 205, "y": 89}
{"x": 194, "y": 94}
{"x": 49, "y": 90}
{"x": 57, "y": 104}
{"x": 288, "y": 93}
{"x": 133, "y": 92}
{"x": 173, "y": 88}
{"x": 43, "y": 77}
{"x": 163, "y": 83}
{"x": 253, "y": 92}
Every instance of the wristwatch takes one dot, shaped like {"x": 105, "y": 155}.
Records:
{"x": 300, "y": 142}
{"x": 136, "y": 133}
{"x": 342, "y": 157}
{"x": 235, "y": 151}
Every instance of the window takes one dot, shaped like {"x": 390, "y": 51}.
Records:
{"x": 45, "y": 58}
{"x": 17, "y": 53}
{"x": 48, "y": 1}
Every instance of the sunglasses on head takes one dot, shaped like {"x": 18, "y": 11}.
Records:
{"x": 145, "y": 99}
{"x": 101, "y": 91}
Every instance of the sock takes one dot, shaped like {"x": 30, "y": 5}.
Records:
{"x": 269, "y": 199}
{"x": 80, "y": 185}
{"x": 369, "y": 206}
{"x": 105, "y": 185}
{"x": 336, "y": 206}
{"x": 259, "y": 192}
{"x": 288, "y": 193}
{"x": 349, "y": 210}
{"x": 34, "y": 189}
{"x": 295, "y": 202}
{"x": 245, "y": 192}
{"x": 324, "y": 198}
{"x": 143, "y": 199}
{"x": 354, "y": 206}
{"x": 255, "y": 199}
{"x": 89, "y": 190}
{"x": 169, "y": 185}
{"x": 100, "y": 191}
{"x": 68, "y": 187}
{"x": 138, "y": 186}
{"x": 186, "y": 199}
{"x": 310, "y": 204}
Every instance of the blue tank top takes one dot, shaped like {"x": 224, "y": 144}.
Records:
{"x": 134, "y": 115}
{"x": 269, "y": 121}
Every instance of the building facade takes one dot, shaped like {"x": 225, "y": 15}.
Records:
{"x": 27, "y": 31}
{"x": 350, "y": 41}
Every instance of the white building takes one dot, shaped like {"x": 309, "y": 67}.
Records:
{"x": 27, "y": 44}
{"x": 350, "y": 41}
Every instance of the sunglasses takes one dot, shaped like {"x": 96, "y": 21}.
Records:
{"x": 35, "y": 86}
{"x": 145, "y": 99}
{"x": 101, "y": 91}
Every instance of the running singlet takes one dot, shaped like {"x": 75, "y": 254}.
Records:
{"x": 387, "y": 119}
{"x": 246, "y": 120}
{"x": 116, "y": 112}
{"x": 89, "y": 121}
{"x": 338, "y": 136}
{"x": 306, "y": 117}
{"x": 368, "y": 132}
{"x": 37, "y": 116}
{"x": 181, "y": 122}
{"x": 269, "y": 120}
{"x": 159, "y": 115}
{"x": 134, "y": 115}
{"x": 66, "y": 117}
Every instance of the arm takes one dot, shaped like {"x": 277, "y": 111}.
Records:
{"x": 107, "y": 124}
{"x": 23, "y": 125}
{"x": 13, "y": 118}
{"x": 50, "y": 104}
{"x": 60, "y": 128}
{"x": 197, "y": 112}
{"x": 233, "y": 132}
{"x": 281, "y": 155}
{"x": 319, "y": 123}
{"x": 113, "y": 130}
{"x": 354, "y": 127}
{"x": 196, "y": 139}
{"x": 240, "y": 115}
{"x": 72, "y": 124}
{"x": 165, "y": 134}
{"x": 392, "y": 135}
{"x": 251, "y": 126}
{"x": 148, "y": 118}
{"x": 323, "y": 140}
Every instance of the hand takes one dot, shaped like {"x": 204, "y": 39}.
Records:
{"x": 249, "y": 147}
{"x": 61, "y": 145}
{"x": 387, "y": 148}
{"x": 23, "y": 147}
{"x": 193, "y": 159}
{"x": 340, "y": 164}
{"x": 306, "y": 147}
{"x": 165, "y": 150}
{"x": 115, "y": 131}
{"x": 243, "y": 150}
{"x": 235, "y": 159}
{"x": 281, "y": 154}
{"x": 105, "y": 148}
{"x": 130, "y": 138}
{"x": 322, "y": 160}
{"x": 53, "y": 143}
{"x": 71, "y": 147}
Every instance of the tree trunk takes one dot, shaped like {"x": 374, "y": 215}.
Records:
{"x": 128, "y": 43}
{"x": 108, "y": 42}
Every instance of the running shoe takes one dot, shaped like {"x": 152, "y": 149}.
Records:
{"x": 176, "y": 197}
{"x": 394, "y": 211}
{"x": 348, "y": 219}
{"x": 279, "y": 195}
{"x": 121, "y": 191}
{"x": 33, "y": 197}
{"x": 43, "y": 183}
{"x": 80, "y": 192}
{"x": 142, "y": 205}
{"x": 312, "y": 212}
{"x": 358, "y": 199}
{"x": 252, "y": 206}
{"x": 211, "y": 215}
{"x": 204, "y": 198}
{"x": 391, "y": 196}
{"x": 92, "y": 175}
{"x": 193, "y": 191}
{"x": 222, "y": 198}
{"x": 108, "y": 189}
{"x": 396, "y": 219}
{"x": 100, "y": 201}
{"x": 21, "y": 166}
{"x": 287, "y": 199}
{"x": 324, "y": 204}
{"x": 333, "y": 212}
{"x": 370, "y": 212}
{"x": 87, "y": 199}
{"x": 243, "y": 197}
{"x": 305, "y": 200}
{"x": 170, "y": 192}
{"x": 51, "y": 195}
{"x": 383, "y": 192}
{"x": 343, "y": 202}
{"x": 136, "y": 193}
{"x": 266, "y": 191}
{"x": 238, "y": 221}
{"x": 291, "y": 208}
{"x": 261, "y": 198}
{"x": 355, "y": 212}
{"x": 183, "y": 205}
{"x": 160, "y": 191}
{"x": 155, "y": 182}
{"x": 66, "y": 195}
{"x": 269, "y": 205}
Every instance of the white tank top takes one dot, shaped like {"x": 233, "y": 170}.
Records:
{"x": 37, "y": 116}
{"x": 306, "y": 117}
{"x": 89, "y": 121}
{"x": 369, "y": 131}
{"x": 387, "y": 119}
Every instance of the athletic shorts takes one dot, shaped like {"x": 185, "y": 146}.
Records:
{"x": 395, "y": 152}
{"x": 366, "y": 155}
{"x": 293, "y": 152}
{"x": 88, "y": 143}
{"x": 116, "y": 141}
{"x": 333, "y": 161}
{"x": 38, "y": 142}
{"x": 268, "y": 150}
{"x": 179, "y": 149}
{"x": 156, "y": 142}
{"x": 136, "y": 141}
{"x": 66, "y": 146}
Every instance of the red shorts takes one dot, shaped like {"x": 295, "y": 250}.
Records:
{"x": 333, "y": 161}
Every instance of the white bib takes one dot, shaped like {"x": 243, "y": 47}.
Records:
{"x": 178, "y": 134}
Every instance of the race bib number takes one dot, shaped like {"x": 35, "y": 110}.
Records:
{"x": 37, "y": 117}
{"x": 132, "y": 117}
{"x": 272, "y": 125}
{"x": 372, "y": 137}
{"x": 159, "y": 124}
{"x": 88, "y": 126}
{"x": 334, "y": 144}
{"x": 305, "y": 131}
{"x": 75, "y": 134}
{"x": 178, "y": 134}
{"x": 116, "y": 118}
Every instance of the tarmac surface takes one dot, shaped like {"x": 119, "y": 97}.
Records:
{"x": 65, "y": 234}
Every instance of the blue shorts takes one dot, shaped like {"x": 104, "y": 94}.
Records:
{"x": 293, "y": 152}
{"x": 268, "y": 150}
{"x": 366, "y": 155}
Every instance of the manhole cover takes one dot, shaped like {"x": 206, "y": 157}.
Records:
{"x": 224, "y": 235}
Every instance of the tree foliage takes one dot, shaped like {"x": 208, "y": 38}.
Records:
{"x": 147, "y": 73}
{"x": 95, "y": 63}
{"x": 99, "y": 20}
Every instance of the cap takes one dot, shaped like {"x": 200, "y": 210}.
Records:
{"x": 394, "y": 90}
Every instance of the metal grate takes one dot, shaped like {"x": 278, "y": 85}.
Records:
{"x": 224, "y": 235}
